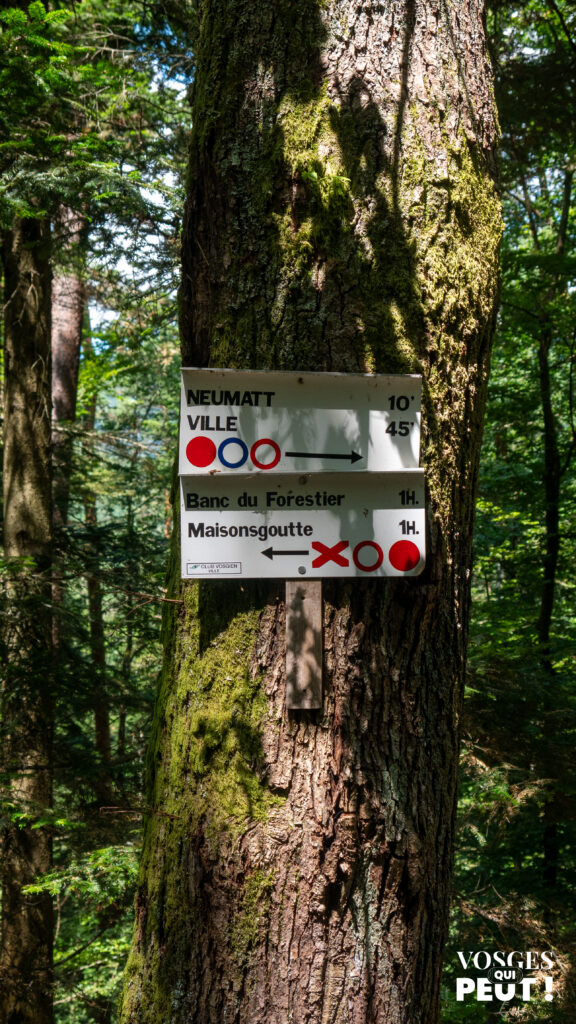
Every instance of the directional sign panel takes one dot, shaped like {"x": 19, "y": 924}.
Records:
{"x": 258, "y": 422}
{"x": 303, "y": 525}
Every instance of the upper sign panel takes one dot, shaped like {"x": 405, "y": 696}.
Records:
{"x": 252, "y": 421}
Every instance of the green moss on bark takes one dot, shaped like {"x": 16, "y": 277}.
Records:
{"x": 205, "y": 785}
{"x": 215, "y": 708}
{"x": 252, "y": 915}
{"x": 453, "y": 214}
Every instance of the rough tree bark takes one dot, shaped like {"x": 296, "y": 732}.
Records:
{"x": 27, "y": 713}
{"x": 341, "y": 216}
{"x": 68, "y": 308}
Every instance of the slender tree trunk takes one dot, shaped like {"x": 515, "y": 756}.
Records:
{"x": 27, "y": 705}
{"x": 68, "y": 308}
{"x": 68, "y": 319}
{"x": 555, "y": 468}
{"x": 341, "y": 216}
{"x": 68, "y": 303}
{"x": 99, "y": 694}
{"x": 552, "y": 491}
{"x": 100, "y": 700}
{"x": 128, "y": 653}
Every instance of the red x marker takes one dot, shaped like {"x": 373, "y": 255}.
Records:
{"x": 327, "y": 554}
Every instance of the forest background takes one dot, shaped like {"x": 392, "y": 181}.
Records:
{"x": 93, "y": 129}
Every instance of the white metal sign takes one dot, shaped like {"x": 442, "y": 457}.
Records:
{"x": 305, "y": 525}
{"x": 259, "y": 422}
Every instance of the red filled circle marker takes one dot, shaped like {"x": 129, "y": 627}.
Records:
{"x": 201, "y": 451}
{"x": 404, "y": 555}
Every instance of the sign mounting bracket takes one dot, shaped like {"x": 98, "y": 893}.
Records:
{"x": 303, "y": 645}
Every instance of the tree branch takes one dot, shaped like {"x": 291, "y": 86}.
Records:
{"x": 554, "y": 7}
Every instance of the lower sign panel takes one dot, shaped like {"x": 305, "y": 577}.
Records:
{"x": 303, "y": 526}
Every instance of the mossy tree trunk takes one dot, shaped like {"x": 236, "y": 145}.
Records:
{"x": 26, "y": 633}
{"x": 341, "y": 216}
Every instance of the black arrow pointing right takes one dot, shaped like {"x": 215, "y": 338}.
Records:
{"x": 348, "y": 456}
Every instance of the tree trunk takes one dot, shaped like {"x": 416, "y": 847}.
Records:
{"x": 341, "y": 216}
{"x": 67, "y": 312}
{"x": 103, "y": 785}
{"x": 27, "y": 712}
{"x": 68, "y": 307}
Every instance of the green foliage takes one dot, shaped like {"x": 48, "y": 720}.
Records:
{"x": 90, "y": 122}
{"x": 34, "y": 77}
{"x": 123, "y": 464}
{"x": 516, "y": 864}
{"x": 101, "y": 877}
{"x": 125, "y": 460}
{"x": 96, "y": 122}
{"x": 93, "y": 895}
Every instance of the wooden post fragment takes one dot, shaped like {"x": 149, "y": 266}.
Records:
{"x": 304, "y": 644}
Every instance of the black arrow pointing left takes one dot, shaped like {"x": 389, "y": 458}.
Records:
{"x": 270, "y": 553}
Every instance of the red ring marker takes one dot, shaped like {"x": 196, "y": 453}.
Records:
{"x": 257, "y": 445}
